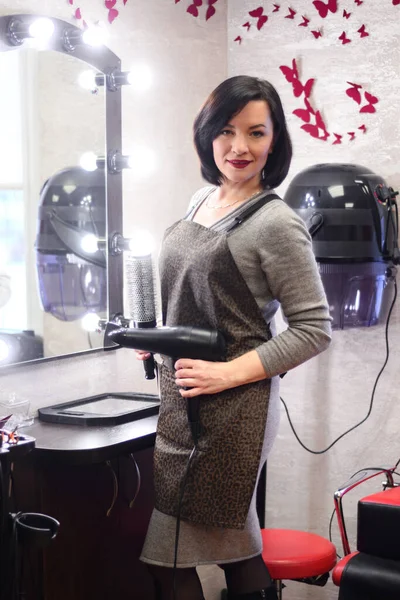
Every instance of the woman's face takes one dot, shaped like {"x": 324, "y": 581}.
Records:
{"x": 241, "y": 149}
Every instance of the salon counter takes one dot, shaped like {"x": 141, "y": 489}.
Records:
{"x": 87, "y": 478}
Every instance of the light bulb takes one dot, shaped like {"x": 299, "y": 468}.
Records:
{"x": 140, "y": 77}
{"x": 87, "y": 80}
{"x": 96, "y": 35}
{"x": 88, "y": 161}
{"x": 90, "y": 322}
{"x": 89, "y": 243}
{"x": 41, "y": 29}
{"x": 142, "y": 161}
{"x": 141, "y": 243}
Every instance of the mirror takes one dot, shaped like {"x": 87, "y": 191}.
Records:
{"x": 56, "y": 109}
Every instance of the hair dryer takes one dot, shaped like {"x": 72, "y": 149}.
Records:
{"x": 176, "y": 342}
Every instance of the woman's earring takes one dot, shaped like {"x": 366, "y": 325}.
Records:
{"x": 263, "y": 174}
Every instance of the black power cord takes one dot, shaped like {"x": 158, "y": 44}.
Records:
{"x": 372, "y": 395}
{"x": 178, "y": 517}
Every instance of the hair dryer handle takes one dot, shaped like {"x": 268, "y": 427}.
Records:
{"x": 149, "y": 367}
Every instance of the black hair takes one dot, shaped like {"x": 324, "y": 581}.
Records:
{"x": 226, "y": 101}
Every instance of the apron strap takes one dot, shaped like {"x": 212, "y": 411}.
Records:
{"x": 251, "y": 210}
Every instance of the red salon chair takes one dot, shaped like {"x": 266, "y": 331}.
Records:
{"x": 373, "y": 570}
{"x": 296, "y": 555}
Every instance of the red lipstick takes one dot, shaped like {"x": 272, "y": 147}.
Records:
{"x": 239, "y": 164}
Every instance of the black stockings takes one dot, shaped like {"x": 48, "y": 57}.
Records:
{"x": 247, "y": 576}
{"x": 242, "y": 579}
{"x": 187, "y": 584}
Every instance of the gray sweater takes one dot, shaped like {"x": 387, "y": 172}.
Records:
{"x": 272, "y": 250}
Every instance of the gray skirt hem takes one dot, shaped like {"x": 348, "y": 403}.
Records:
{"x": 200, "y": 563}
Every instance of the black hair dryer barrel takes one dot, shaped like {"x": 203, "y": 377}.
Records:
{"x": 180, "y": 342}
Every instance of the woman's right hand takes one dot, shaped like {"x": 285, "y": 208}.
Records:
{"x": 142, "y": 354}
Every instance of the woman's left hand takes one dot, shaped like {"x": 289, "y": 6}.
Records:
{"x": 203, "y": 377}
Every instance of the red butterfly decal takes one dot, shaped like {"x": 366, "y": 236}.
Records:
{"x": 395, "y": 2}
{"x": 308, "y": 106}
{"x": 346, "y": 14}
{"x": 319, "y": 121}
{"x": 317, "y": 34}
{"x": 303, "y": 114}
{"x": 358, "y": 2}
{"x": 363, "y": 128}
{"x": 362, "y": 31}
{"x": 312, "y": 130}
{"x": 71, "y": 1}
{"x": 291, "y": 14}
{"x": 211, "y": 10}
{"x": 291, "y": 74}
{"x": 246, "y": 25}
{"x": 305, "y": 22}
{"x": 323, "y": 8}
{"x": 369, "y": 108}
{"x": 110, "y": 4}
{"x": 193, "y": 8}
{"x": 352, "y": 135}
{"x": 277, "y": 7}
{"x": 345, "y": 40}
{"x": 176, "y": 1}
{"x": 299, "y": 88}
{"x": 125, "y": 1}
{"x": 112, "y": 15}
{"x": 325, "y": 136}
{"x": 370, "y": 98}
{"x": 338, "y": 139}
{"x": 238, "y": 39}
{"x": 353, "y": 92}
{"x": 259, "y": 14}
{"x": 78, "y": 14}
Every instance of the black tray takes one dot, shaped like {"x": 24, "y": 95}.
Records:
{"x": 103, "y": 409}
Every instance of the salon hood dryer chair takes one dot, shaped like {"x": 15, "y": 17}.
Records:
{"x": 352, "y": 216}
{"x": 72, "y": 280}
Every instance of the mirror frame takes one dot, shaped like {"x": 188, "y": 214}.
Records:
{"x": 107, "y": 63}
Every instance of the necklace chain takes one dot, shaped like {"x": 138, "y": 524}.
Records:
{"x": 232, "y": 203}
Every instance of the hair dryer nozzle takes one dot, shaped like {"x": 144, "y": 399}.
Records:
{"x": 180, "y": 342}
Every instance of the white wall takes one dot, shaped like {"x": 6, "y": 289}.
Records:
{"x": 332, "y": 392}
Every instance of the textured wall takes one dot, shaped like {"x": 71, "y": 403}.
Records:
{"x": 332, "y": 392}
{"x": 188, "y": 57}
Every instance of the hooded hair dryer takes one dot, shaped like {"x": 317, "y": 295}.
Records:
{"x": 175, "y": 342}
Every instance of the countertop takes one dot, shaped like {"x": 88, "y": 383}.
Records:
{"x": 74, "y": 444}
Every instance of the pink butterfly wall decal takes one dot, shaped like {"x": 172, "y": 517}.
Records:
{"x": 305, "y": 22}
{"x": 291, "y": 14}
{"x": 353, "y": 92}
{"x": 344, "y": 38}
{"x": 369, "y": 108}
{"x": 258, "y": 14}
{"x": 362, "y": 31}
{"x": 324, "y": 8}
{"x": 112, "y": 12}
{"x": 193, "y": 9}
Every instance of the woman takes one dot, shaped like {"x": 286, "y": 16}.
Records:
{"x": 219, "y": 272}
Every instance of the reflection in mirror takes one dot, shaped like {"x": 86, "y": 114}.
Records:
{"x": 48, "y": 121}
